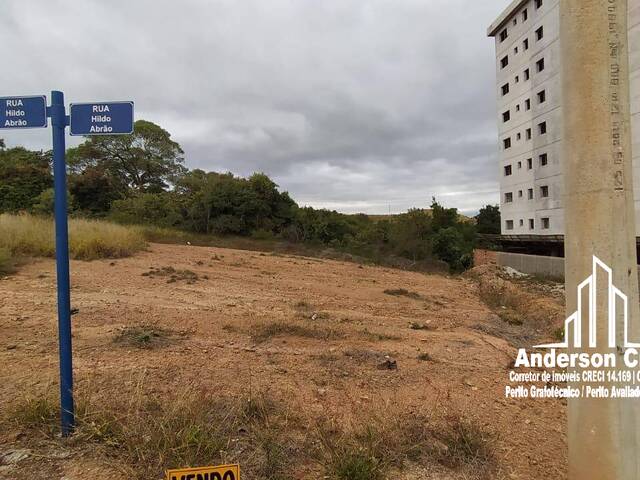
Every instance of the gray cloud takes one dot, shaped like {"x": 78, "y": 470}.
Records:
{"x": 363, "y": 105}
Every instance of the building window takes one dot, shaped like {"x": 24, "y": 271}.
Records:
{"x": 518, "y": 136}
{"x": 525, "y": 44}
{"x": 515, "y": 50}
{"x": 543, "y": 159}
{"x": 544, "y": 191}
{"x": 540, "y": 33}
{"x": 530, "y": 194}
{"x": 519, "y": 193}
{"x": 539, "y": 65}
{"x": 542, "y": 128}
{"x": 545, "y": 223}
{"x": 538, "y": 4}
{"x": 515, "y": 21}
{"x": 542, "y": 96}
{"x": 528, "y": 133}
{"x": 531, "y": 224}
{"x": 505, "y": 89}
{"x": 503, "y": 35}
{"x": 521, "y": 222}
{"x": 505, "y": 61}
{"x": 525, "y": 15}
{"x": 529, "y": 163}
{"x": 527, "y": 104}
{"x": 507, "y": 170}
{"x": 506, "y": 143}
{"x": 517, "y": 107}
{"x": 509, "y": 224}
{"x": 527, "y": 74}
{"x": 519, "y": 165}
{"x": 506, "y": 116}
{"x": 508, "y": 197}
{"x": 517, "y": 79}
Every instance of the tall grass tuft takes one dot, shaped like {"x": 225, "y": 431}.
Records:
{"x": 6, "y": 262}
{"x": 33, "y": 236}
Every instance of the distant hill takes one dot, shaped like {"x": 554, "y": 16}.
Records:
{"x": 379, "y": 217}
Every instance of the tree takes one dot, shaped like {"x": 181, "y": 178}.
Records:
{"x": 2, "y": 145}
{"x": 449, "y": 246}
{"x": 24, "y": 175}
{"x": 93, "y": 191}
{"x": 158, "y": 209}
{"x": 488, "y": 220}
{"x": 443, "y": 217}
{"x": 145, "y": 161}
{"x": 411, "y": 234}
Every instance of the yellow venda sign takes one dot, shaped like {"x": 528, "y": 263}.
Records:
{"x": 222, "y": 472}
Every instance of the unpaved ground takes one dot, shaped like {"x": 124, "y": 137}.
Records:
{"x": 213, "y": 318}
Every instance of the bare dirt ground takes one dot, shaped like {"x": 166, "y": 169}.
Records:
{"x": 221, "y": 344}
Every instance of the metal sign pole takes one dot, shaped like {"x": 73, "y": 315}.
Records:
{"x": 59, "y": 122}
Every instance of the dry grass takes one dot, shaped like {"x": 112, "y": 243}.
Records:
{"x": 426, "y": 357}
{"x": 147, "y": 433}
{"x": 32, "y": 236}
{"x": 264, "y": 331}
{"x": 173, "y": 274}
{"x": 402, "y": 292}
{"x": 467, "y": 444}
{"x": 516, "y": 305}
{"x": 368, "y": 445}
{"x": 38, "y": 413}
{"x": 146, "y": 336}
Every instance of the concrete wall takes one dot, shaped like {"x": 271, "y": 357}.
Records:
{"x": 533, "y": 264}
{"x": 522, "y": 209}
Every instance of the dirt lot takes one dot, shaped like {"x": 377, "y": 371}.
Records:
{"x": 330, "y": 355}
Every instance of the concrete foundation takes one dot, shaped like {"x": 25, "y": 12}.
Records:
{"x": 533, "y": 264}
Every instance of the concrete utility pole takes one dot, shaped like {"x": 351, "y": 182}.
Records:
{"x": 603, "y": 434}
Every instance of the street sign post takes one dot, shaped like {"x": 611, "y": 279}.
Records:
{"x": 88, "y": 119}
{"x": 23, "y": 112}
{"x": 59, "y": 121}
{"x": 107, "y": 118}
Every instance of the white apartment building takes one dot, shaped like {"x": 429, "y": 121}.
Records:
{"x": 528, "y": 59}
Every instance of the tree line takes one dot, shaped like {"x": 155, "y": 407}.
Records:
{"x": 141, "y": 179}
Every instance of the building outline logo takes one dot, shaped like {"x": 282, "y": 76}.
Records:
{"x": 574, "y": 321}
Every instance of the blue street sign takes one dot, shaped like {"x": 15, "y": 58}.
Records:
{"x": 23, "y": 112}
{"x": 104, "y": 118}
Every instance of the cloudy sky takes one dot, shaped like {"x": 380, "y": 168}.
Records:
{"x": 354, "y": 105}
